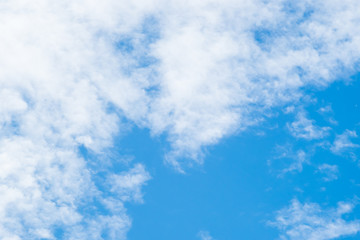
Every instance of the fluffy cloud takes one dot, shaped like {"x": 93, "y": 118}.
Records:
{"x": 59, "y": 74}
{"x": 45, "y": 188}
{"x": 197, "y": 71}
{"x": 309, "y": 221}
{"x": 211, "y": 68}
{"x": 221, "y": 64}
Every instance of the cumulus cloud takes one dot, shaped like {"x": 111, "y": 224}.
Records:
{"x": 45, "y": 188}
{"x": 221, "y": 64}
{"x": 59, "y": 72}
{"x": 197, "y": 71}
{"x": 310, "y": 221}
{"x": 212, "y": 67}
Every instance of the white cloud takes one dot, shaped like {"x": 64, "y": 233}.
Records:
{"x": 343, "y": 142}
{"x": 288, "y": 160}
{"x": 216, "y": 77}
{"x": 309, "y": 221}
{"x": 44, "y": 187}
{"x": 305, "y": 128}
{"x": 300, "y": 158}
{"x": 65, "y": 83}
{"x": 218, "y": 64}
{"x": 128, "y": 185}
{"x": 204, "y": 235}
{"x": 59, "y": 73}
{"x": 326, "y": 109}
{"x": 330, "y": 171}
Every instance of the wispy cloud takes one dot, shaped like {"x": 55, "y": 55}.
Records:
{"x": 309, "y": 221}
{"x": 288, "y": 160}
{"x": 204, "y": 235}
{"x": 220, "y": 65}
{"x": 343, "y": 142}
{"x": 305, "y": 128}
{"x": 330, "y": 171}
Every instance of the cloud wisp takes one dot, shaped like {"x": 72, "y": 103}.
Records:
{"x": 310, "y": 221}
{"x": 204, "y": 235}
{"x": 305, "y": 128}
{"x": 330, "y": 172}
{"x": 343, "y": 142}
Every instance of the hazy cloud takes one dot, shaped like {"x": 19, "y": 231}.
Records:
{"x": 305, "y": 128}
{"x": 204, "y": 235}
{"x": 330, "y": 171}
{"x": 343, "y": 142}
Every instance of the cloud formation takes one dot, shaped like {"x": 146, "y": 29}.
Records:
{"x": 305, "y": 128}
{"x": 221, "y": 65}
{"x": 331, "y": 172}
{"x": 204, "y": 235}
{"x": 310, "y": 221}
{"x": 72, "y": 72}
{"x": 343, "y": 142}
{"x": 197, "y": 71}
{"x": 57, "y": 62}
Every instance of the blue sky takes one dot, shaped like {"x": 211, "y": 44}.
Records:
{"x": 235, "y": 194}
{"x": 201, "y": 119}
